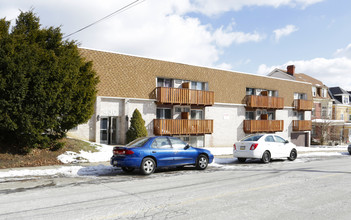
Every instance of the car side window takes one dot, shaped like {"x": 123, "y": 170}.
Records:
{"x": 161, "y": 142}
{"x": 279, "y": 139}
{"x": 177, "y": 143}
{"x": 269, "y": 139}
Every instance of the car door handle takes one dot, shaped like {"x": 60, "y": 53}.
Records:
{"x": 154, "y": 151}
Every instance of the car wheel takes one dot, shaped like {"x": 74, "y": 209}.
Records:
{"x": 293, "y": 155}
{"x": 266, "y": 157}
{"x": 148, "y": 166}
{"x": 241, "y": 160}
{"x": 128, "y": 169}
{"x": 201, "y": 162}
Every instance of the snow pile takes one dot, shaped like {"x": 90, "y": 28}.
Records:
{"x": 63, "y": 171}
{"x": 104, "y": 154}
{"x": 68, "y": 171}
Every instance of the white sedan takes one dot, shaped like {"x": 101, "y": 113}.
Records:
{"x": 264, "y": 147}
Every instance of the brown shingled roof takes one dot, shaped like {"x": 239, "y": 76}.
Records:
{"x": 135, "y": 77}
{"x": 306, "y": 78}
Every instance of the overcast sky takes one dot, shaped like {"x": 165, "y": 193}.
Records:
{"x": 251, "y": 36}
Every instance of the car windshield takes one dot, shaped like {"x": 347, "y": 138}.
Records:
{"x": 138, "y": 142}
{"x": 252, "y": 138}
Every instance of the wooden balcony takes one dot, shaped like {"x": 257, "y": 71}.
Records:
{"x": 302, "y": 125}
{"x": 182, "y": 127}
{"x": 254, "y": 126}
{"x": 165, "y": 95}
{"x": 303, "y": 105}
{"x": 266, "y": 102}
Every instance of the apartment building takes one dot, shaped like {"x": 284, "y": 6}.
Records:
{"x": 205, "y": 107}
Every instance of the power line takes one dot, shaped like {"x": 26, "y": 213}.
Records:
{"x": 124, "y": 8}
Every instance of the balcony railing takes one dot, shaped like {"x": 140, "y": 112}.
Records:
{"x": 182, "y": 96}
{"x": 267, "y": 102}
{"x": 254, "y": 126}
{"x": 182, "y": 126}
{"x": 303, "y": 105}
{"x": 302, "y": 125}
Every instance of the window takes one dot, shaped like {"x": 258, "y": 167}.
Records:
{"x": 185, "y": 138}
{"x": 264, "y": 92}
{"x": 269, "y": 139}
{"x": 342, "y": 116}
{"x": 279, "y": 139}
{"x": 196, "y": 114}
{"x": 300, "y": 116}
{"x": 162, "y": 82}
{"x": 272, "y": 93}
{"x": 176, "y": 143}
{"x": 163, "y": 113}
{"x": 300, "y": 96}
{"x": 253, "y": 137}
{"x": 249, "y": 115}
{"x": 161, "y": 142}
{"x": 346, "y": 99}
{"x": 271, "y": 115}
{"x": 197, "y": 85}
{"x": 250, "y": 91}
{"x": 324, "y": 93}
{"x": 258, "y": 91}
{"x": 138, "y": 142}
{"x": 314, "y": 91}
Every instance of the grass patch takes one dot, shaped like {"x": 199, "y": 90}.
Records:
{"x": 43, "y": 157}
{"x": 77, "y": 145}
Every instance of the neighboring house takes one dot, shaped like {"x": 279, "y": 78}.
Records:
{"x": 341, "y": 112}
{"x": 203, "y": 106}
{"x": 302, "y": 103}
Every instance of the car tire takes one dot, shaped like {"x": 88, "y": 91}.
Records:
{"x": 147, "y": 166}
{"x": 266, "y": 157}
{"x": 293, "y": 155}
{"x": 241, "y": 160}
{"x": 201, "y": 162}
{"x": 128, "y": 169}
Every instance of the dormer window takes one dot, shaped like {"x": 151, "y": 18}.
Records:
{"x": 346, "y": 100}
{"x": 314, "y": 91}
{"x": 324, "y": 93}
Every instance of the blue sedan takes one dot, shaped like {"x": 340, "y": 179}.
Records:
{"x": 147, "y": 153}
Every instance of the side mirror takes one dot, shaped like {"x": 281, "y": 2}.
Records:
{"x": 286, "y": 142}
{"x": 186, "y": 147}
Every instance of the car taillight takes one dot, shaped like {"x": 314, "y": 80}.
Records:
{"x": 234, "y": 146}
{"x": 122, "y": 152}
{"x": 129, "y": 152}
{"x": 253, "y": 146}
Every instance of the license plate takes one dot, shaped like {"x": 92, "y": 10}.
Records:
{"x": 242, "y": 147}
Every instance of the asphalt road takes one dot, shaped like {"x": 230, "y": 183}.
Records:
{"x": 312, "y": 189}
